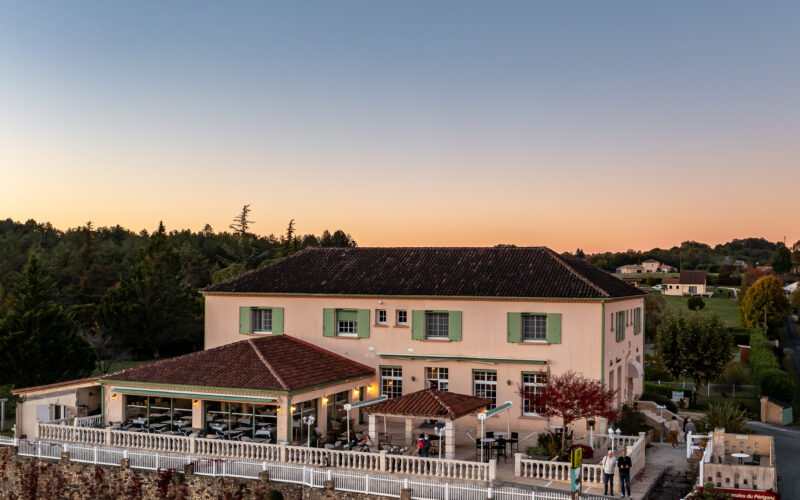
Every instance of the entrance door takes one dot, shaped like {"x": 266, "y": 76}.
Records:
{"x": 630, "y": 390}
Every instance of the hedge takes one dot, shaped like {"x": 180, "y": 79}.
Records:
{"x": 659, "y": 399}
{"x": 665, "y": 390}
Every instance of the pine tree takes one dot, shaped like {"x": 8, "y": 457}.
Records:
{"x": 241, "y": 223}
{"x": 152, "y": 311}
{"x": 39, "y": 343}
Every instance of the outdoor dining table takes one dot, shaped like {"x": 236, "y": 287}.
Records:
{"x": 740, "y": 456}
{"x": 158, "y": 427}
{"x": 135, "y": 429}
{"x": 139, "y": 421}
{"x": 487, "y": 442}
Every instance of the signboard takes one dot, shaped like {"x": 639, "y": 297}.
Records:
{"x": 677, "y": 396}
{"x": 576, "y": 476}
{"x": 576, "y": 457}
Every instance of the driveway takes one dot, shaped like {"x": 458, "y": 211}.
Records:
{"x": 787, "y": 444}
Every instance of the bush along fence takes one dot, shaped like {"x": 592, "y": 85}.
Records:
{"x": 306, "y": 475}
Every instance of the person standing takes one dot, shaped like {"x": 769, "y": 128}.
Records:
{"x": 673, "y": 427}
{"x": 624, "y": 463}
{"x": 607, "y": 464}
{"x": 688, "y": 426}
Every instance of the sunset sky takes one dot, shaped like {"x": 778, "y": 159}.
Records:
{"x": 600, "y": 125}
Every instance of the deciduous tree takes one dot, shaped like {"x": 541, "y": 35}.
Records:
{"x": 781, "y": 260}
{"x": 39, "y": 343}
{"x": 765, "y": 300}
{"x": 570, "y": 397}
{"x": 654, "y": 307}
{"x": 795, "y": 302}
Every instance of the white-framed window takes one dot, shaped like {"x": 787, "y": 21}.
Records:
{"x": 380, "y": 316}
{"x": 532, "y": 383}
{"x": 534, "y": 327}
{"x": 402, "y": 317}
{"x": 346, "y": 323}
{"x": 437, "y": 325}
{"x": 484, "y": 385}
{"x": 262, "y": 320}
{"x": 392, "y": 381}
{"x": 436, "y": 378}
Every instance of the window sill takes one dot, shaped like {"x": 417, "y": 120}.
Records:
{"x": 437, "y": 340}
{"x": 533, "y": 417}
{"x": 346, "y": 337}
{"x": 535, "y": 342}
{"x": 381, "y": 325}
{"x": 401, "y": 325}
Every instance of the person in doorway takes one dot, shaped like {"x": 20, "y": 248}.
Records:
{"x": 673, "y": 427}
{"x": 624, "y": 465}
{"x": 607, "y": 464}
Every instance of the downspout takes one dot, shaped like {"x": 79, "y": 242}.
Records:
{"x": 289, "y": 417}
{"x": 602, "y": 340}
{"x": 103, "y": 404}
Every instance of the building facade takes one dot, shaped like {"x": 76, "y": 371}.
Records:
{"x": 689, "y": 283}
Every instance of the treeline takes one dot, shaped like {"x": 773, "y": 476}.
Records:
{"x": 130, "y": 295}
{"x": 691, "y": 255}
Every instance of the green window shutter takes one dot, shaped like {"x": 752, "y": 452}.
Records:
{"x": 363, "y": 323}
{"x": 553, "y": 328}
{"x": 277, "y": 321}
{"x": 514, "y": 327}
{"x": 418, "y": 325}
{"x": 637, "y": 318}
{"x": 244, "y": 320}
{"x": 328, "y": 322}
{"x": 454, "y": 325}
{"x": 624, "y": 324}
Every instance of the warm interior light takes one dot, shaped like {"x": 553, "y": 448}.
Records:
{"x": 389, "y": 382}
{"x": 324, "y": 400}
{"x": 196, "y": 403}
{"x": 355, "y": 392}
{"x": 370, "y": 388}
{"x": 293, "y": 409}
{"x": 279, "y": 409}
{"x": 114, "y": 397}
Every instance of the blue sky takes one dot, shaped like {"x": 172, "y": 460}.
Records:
{"x": 446, "y": 123}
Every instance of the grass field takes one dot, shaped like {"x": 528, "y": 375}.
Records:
{"x": 719, "y": 303}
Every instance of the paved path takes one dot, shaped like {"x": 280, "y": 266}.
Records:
{"x": 787, "y": 444}
{"x": 792, "y": 344}
{"x": 678, "y": 479}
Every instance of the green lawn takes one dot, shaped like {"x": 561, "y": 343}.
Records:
{"x": 719, "y": 303}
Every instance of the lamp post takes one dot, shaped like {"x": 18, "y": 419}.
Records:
{"x": 661, "y": 409}
{"x": 308, "y": 420}
{"x": 591, "y": 423}
{"x": 611, "y": 436}
{"x": 3, "y": 414}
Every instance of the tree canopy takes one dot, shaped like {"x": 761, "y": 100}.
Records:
{"x": 39, "y": 342}
{"x": 781, "y": 260}
{"x": 765, "y": 300}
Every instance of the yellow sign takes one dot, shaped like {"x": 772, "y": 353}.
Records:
{"x": 576, "y": 457}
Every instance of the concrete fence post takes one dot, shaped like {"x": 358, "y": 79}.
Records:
{"x": 517, "y": 464}
{"x": 382, "y": 461}
{"x": 193, "y": 444}
{"x": 283, "y": 453}
{"x": 108, "y": 441}
{"x": 64, "y": 457}
{"x": 492, "y": 469}
{"x": 263, "y": 476}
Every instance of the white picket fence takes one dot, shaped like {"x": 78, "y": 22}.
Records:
{"x": 314, "y": 477}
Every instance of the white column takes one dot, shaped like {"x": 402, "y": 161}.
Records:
{"x": 373, "y": 427}
{"x": 450, "y": 439}
{"x": 409, "y": 431}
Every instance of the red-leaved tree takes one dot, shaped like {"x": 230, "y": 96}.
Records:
{"x": 571, "y": 396}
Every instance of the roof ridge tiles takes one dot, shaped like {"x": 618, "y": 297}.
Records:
{"x": 439, "y": 400}
{"x": 266, "y": 363}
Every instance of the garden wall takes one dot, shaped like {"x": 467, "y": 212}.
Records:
{"x": 23, "y": 478}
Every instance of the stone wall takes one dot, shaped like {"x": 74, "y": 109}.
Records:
{"x": 24, "y": 478}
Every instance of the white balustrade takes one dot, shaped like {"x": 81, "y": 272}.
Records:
{"x": 91, "y": 421}
{"x": 435, "y": 467}
{"x": 70, "y": 434}
{"x": 148, "y": 441}
{"x": 238, "y": 449}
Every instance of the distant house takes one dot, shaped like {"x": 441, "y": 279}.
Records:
{"x": 689, "y": 283}
{"x": 646, "y": 267}
{"x": 790, "y": 289}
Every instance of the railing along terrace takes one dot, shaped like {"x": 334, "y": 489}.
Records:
{"x": 363, "y": 461}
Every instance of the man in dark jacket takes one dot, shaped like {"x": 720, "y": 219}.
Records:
{"x": 624, "y": 464}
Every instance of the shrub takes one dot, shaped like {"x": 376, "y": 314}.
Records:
{"x": 724, "y": 415}
{"x": 666, "y": 390}
{"x": 695, "y": 303}
{"x": 778, "y": 384}
{"x": 588, "y": 451}
{"x": 659, "y": 399}
{"x": 654, "y": 369}
{"x": 735, "y": 373}
{"x": 631, "y": 421}
{"x": 537, "y": 451}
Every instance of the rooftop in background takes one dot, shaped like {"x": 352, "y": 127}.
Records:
{"x": 692, "y": 278}
{"x": 271, "y": 363}
{"x": 531, "y": 272}
{"x": 430, "y": 403}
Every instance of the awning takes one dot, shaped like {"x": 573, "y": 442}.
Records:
{"x": 194, "y": 395}
{"x": 635, "y": 369}
{"x": 368, "y": 402}
{"x": 494, "y": 411}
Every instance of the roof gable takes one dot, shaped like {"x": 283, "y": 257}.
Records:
{"x": 430, "y": 403}
{"x": 532, "y": 272}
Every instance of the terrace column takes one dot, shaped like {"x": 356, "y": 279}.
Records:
{"x": 409, "y": 431}
{"x": 284, "y": 417}
{"x": 322, "y": 418}
{"x": 450, "y": 439}
{"x": 198, "y": 419}
{"x": 373, "y": 427}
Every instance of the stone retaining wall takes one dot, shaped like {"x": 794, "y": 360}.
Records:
{"x": 24, "y": 478}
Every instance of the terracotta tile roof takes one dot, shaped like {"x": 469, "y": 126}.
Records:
{"x": 693, "y": 278}
{"x": 670, "y": 281}
{"x": 270, "y": 363}
{"x": 66, "y": 383}
{"x": 457, "y": 272}
{"x": 430, "y": 403}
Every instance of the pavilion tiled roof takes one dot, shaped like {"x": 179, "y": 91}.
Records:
{"x": 430, "y": 403}
{"x": 530, "y": 272}
{"x": 269, "y": 363}
{"x": 693, "y": 278}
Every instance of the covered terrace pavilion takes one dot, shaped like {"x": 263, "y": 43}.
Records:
{"x": 430, "y": 404}
{"x": 254, "y": 390}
